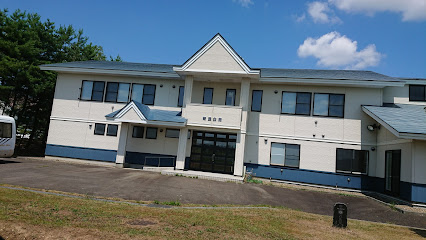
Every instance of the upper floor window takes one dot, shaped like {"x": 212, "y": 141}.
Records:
{"x": 352, "y": 161}
{"x": 296, "y": 103}
{"x": 92, "y": 90}
{"x": 230, "y": 97}
{"x": 256, "y": 101}
{"x": 285, "y": 154}
{"x": 330, "y": 105}
{"x": 117, "y": 92}
{"x": 208, "y": 96}
{"x": 144, "y": 94}
{"x": 418, "y": 93}
{"x": 181, "y": 95}
{"x": 151, "y": 133}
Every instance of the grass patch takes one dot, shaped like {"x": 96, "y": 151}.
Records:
{"x": 256, "y": 181}
{"x": 38, "y": 216}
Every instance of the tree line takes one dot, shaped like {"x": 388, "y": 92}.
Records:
{"x": 26, "y": 92}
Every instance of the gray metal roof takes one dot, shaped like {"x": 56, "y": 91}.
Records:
{"x": 325, "y": 74}
{"x": 154, "y": 114}
{"x": 111, "y": 65}
{"x": 264, "y": 72}
{"x": 404, "y": 118}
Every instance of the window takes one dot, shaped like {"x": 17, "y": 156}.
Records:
{"x": 99, "y": 129}
{"x": 137, "y": 132}
{"x": 230, "y": 97}
{"x": 296, "y": 103}
{"x": 181, "y": 94}
{"x": 285, "y": 154}
{"x": 330, "y": 105}
{"x": 418, "y": 93}
{"x": 5, "y": 130}
{"x": 352, "y": 161}
{"x": 172, "y": 133}
{"x": 112, "y": 130}
{"x": 144, "y": 94}
{"x": 117, "y": 92}
{"x": 256, "y": 101}
{"x": 92, "y": 90}
{"x": 151, "y": 133}
{"x": 208, "y": 96}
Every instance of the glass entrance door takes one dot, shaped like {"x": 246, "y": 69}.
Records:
{"x": 392, "y": 172}
{"x": 213, "y": 152}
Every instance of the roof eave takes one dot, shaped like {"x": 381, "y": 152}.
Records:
{"x": 110, "y": 71}
{"x": 341, "y": 82}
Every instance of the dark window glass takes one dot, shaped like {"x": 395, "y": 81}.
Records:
{"x": 137, "y": 132}
{"x": 112, "y": 130}
{"x": 296, "y": 103}
{"x": 417, "y": 92}
{"x": 99, "y": 129}
{"x": 292, "y": 155}
{"x": 208, "y": 96}
{"x": 172, "y": 133}
{"x": 181, "y": 95}
{"x": 148, "y": 94}
{"x": 344, "y": 160}
{"x": 111, "y": 92}
{"x": 230, "y": 97}
{"x": 151, "y": 133}
{"x": 337, "y": 105}
{"x": 331, "y": 105}
{"x": 5, "y": 130}
{"x": 256, "y": 101}
{"x": 91, "y": 90}
{"x": 349, "y": 160}
{"x": 98, "y": 91}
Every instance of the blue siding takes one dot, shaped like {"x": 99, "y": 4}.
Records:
{"x": 139, "y": 158}
{"x": 82, "y": 153}
{"x": 418, "y": 192}
{"x": 408, "y": 191}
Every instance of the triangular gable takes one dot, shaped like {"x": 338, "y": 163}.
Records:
{"x": 217, "y": 56}
{"x": 130, "y": 113}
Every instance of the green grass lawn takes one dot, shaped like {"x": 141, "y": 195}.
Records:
{"x": 39, "y": 216}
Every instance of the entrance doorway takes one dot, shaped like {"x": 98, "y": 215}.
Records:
{"x": 392, "y": 172}
{"x": 213, "y": 152}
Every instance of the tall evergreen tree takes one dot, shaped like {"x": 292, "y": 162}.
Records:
{"x": 26, "y": 92}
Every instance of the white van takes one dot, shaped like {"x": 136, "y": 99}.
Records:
{"x": 7, "y": 136}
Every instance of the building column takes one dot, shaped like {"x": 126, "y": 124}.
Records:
{"x": 181, "y": 153}
{"x": 241, "y": 136}
{"x": 122, "y": 141}
{"x": 187, "y": 96}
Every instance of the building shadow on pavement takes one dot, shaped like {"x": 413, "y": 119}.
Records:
{"x": 6, "y": 162}
{"x": 420, "y": 232}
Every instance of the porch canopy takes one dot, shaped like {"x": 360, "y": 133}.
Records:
{"x": 404, "y": 120}
{"x": 135, "y": 112}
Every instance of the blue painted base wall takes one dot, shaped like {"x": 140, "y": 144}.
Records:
{"x": 408, "y": 191}
{"x": 152, "y": 160}
{"x": 82, "y": 153}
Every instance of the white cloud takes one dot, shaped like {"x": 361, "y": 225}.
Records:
{"x": 300, "y": 18}
{"x": 321, "y": 13}
{"x": 412, "y": 10}
{"x": 334, "y": 50}
{"x": 244, "y": 3}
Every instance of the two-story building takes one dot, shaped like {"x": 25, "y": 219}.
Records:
{"x": 213, "y": 113}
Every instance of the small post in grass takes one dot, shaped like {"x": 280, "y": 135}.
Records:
{"x": 340, "y": 215}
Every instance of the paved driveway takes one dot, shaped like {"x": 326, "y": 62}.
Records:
{"x": 147, "y": 186}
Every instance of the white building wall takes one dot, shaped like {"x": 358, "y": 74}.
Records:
{"x": 219, "y": 92}
{"x": 318, "y": 141}
{"x": 67, "y": 105}
{"x": 398, "y": 95}
{"x": 419, "y": 162}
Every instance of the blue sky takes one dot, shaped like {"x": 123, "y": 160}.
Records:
{"x": 386, "y": 36}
